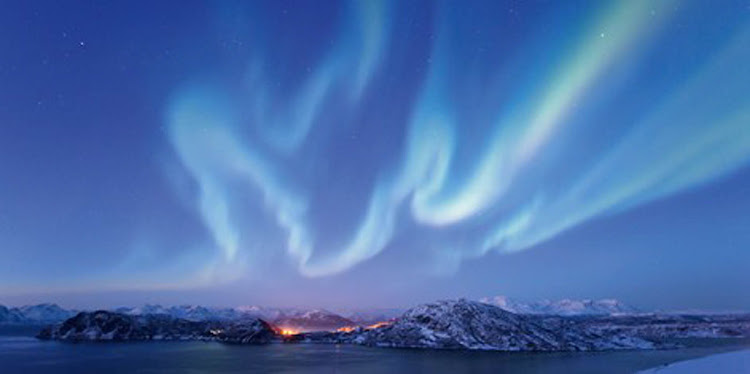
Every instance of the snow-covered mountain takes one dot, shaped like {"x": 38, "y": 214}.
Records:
{"x": 313, "y": 320}
{"x": 289, "y": 318}
{"x": 565, "y": 307}
{"x": 189, "y": 312}
{"x": 266, "y": 313}
{"x": 10, "y": 316}
{"x": 669, "y": 326}
{"x": 112, "y": 326}
{"x": 366, "y": 317}
{"x": 467, "y": 324}
{"x": 452, "y": 324}
{"x": 46, "y": 312}
{"x": 143, "y": 309}
{"x": 34, "y": 314}
{"x": 203, "y": 313}
{"x": 306, "y": 319}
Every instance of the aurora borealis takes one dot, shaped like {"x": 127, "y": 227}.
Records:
{"x": 256, "y": 149}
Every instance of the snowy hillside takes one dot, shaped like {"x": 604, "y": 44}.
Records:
{"x": 451, "y": 324}
{"x": 313, "y": 320}
{"x": 33, "y": 314}
{"x": 474, "y": 325}
{"x": 112, "y": 326}
{"x": 565, "y": 307}
{"x": 725, "y": 363}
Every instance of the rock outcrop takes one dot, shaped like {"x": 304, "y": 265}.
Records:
{"x": 111, "y": 326}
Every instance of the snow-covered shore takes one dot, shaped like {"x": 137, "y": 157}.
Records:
{"x": 737, "y": 362}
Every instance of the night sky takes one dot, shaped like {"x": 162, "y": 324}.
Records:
{"x": 374, "y": 153}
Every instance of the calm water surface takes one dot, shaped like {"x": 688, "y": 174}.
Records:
{"x": 24, "y": 354}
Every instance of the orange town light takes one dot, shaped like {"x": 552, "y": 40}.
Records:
{"x": 379, "y": 325}
{"x": 288, "y": 332}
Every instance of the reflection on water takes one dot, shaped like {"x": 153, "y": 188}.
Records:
{"x": 29, "y": 356}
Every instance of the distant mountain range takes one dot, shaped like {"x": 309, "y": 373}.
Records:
{"x": 34, "y": 314}
{"x": 448, "y": 324}
{"x": 564, "y": 307}
{"x": 313, "y": 320}
{"x": 113, "y": 326}
{"x": 291, "y": 319}
{"x": 294, "y": 319}
{"x": 366, "y": 317}
{"x": 301, "y": 319}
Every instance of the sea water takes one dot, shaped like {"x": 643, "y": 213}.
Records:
{"x": 22, "y": 353}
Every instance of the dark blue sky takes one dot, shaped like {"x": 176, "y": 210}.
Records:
{"x": 374, "y": 153}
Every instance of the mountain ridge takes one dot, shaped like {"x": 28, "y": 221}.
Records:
{"x": 445, "y": 324}
{"x": 564, "y": 307}
{"x": 34, "y": 314}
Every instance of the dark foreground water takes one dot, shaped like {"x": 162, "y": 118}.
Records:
{"x": 26, "y": 355}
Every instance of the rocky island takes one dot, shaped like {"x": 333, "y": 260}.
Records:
{"x": 112, "y": 326}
